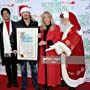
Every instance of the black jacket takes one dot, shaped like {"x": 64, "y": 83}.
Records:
{"x": 21, "y": 24}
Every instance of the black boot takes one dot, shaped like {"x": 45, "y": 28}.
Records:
{"x": 72, "y": 88}
{"x": 63, "y": 84}
{"x": 45, "y": 87}
{"x": 9, "y": 84}
{"x": 16, "y": 84}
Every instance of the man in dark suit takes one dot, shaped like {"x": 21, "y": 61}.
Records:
{"x": 8, "y": 58}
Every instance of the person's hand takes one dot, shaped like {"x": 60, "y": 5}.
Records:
{"x": 42, "y": 43}
{"x": 39, "y": 35}
{"x": 63, "y": 54}
{"x": 14, "y": 52}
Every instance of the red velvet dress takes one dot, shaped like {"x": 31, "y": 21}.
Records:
{"x": 53, "y": 70}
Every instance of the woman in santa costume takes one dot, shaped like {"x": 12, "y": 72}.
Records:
{"x": 48, "y": 74}
{"x": 71, "y": 44}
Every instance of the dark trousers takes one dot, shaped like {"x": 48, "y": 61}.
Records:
{"x": 33, "y": 73}
{"x": 11, "y": 69}
{"x": 72, "y": 88}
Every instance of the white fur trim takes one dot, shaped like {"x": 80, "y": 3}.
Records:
{"x": 67, "y": 79}
{"x": 63, "y": 48}
{"x": 24, "y": 9}
{"x": 51, "y": 48}
{"x": 66, "y": 33}
{"x": 60, "y": 47}
{"x": 66, "y": 14}
{"x": 6, "y": 39}
{"x": 80, "y": 32}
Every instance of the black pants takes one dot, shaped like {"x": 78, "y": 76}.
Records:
{"x": 11, "y": 69}
{"x": 72, "y": 88}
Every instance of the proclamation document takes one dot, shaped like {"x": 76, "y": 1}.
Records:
{"x": 27, "y": 43}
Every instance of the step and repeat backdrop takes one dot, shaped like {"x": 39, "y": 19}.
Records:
{"x": 80, "y": 7}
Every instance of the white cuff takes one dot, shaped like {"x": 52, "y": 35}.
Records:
{"x": 61, "y": 47}
{"x": 80, "y": 32}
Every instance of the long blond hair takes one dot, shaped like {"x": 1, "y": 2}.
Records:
{"x": 42, "y": 20}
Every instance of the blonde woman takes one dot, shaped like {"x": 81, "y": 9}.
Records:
{"x": 48, "y": 74}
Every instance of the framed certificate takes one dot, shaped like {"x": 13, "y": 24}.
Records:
{"x": 27, "y": 43}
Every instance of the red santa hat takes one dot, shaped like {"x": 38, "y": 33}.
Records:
{"x": 23, "y": 8}
{"x": 73, "y": 19}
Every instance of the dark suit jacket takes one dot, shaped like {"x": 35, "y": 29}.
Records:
{"x": 4, "y": 59}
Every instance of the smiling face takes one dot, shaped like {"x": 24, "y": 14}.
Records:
{"x": 5, "y": 15}
{"x": 46, "y": 18}
{"x": 25, "y": 15}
